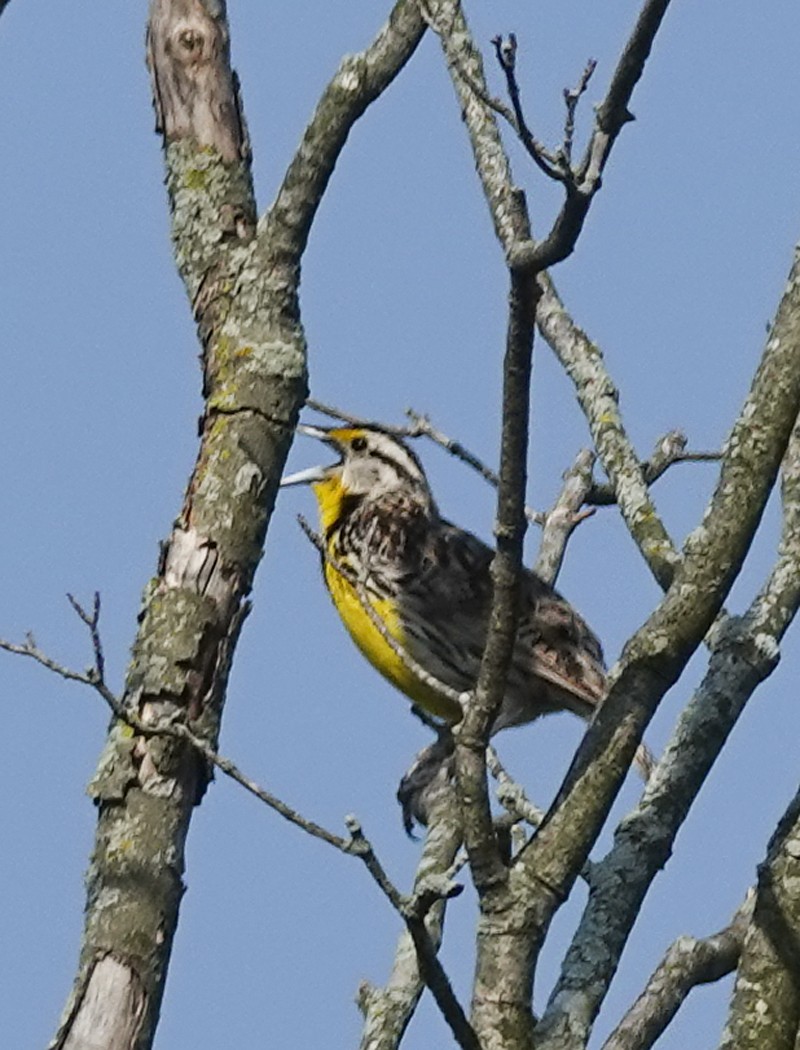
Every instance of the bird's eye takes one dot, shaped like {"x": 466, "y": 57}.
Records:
{"x": 358, "y": 444}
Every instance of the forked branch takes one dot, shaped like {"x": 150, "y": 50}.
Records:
{"x": 689, "y": 962}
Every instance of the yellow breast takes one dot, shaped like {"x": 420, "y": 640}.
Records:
{"x": 384, "y": 657}
{"x": 380, "y": 653}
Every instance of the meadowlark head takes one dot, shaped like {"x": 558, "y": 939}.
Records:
{"x": 372, "y": 464}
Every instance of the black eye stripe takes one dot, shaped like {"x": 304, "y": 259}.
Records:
{"x": 404, "y": 472}
{"x": 358, "y": 444}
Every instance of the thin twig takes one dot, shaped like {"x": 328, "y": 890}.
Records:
{"x": 435, "y": 977}
{"x": 506, "y": 52}
{"x": 357, "y": 421}
{"x": 572, "y": 97}
{"x": 582, "y": 183}
{"x": 413, "y": 910}
{"x": 92, "y": 621}
{"x": 93, "y": 678}
{"x": 478, "y": 89}
{"x": 421, "y": 426}
{"x": 362, "y": 848}
{"x": 388, "y": 1009}
{"x": 510, "y": 793}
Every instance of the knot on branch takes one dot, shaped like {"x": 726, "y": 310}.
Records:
{"x": 437, "y": 886}
{"x": 190, "y": 43}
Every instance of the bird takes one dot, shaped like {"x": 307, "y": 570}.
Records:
{"x": 414, "y": 591}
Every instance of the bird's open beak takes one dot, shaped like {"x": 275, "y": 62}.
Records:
{"x": 313, "y": 432}
{"x": 304, "y": 477}
{"x": 310, "y": 474}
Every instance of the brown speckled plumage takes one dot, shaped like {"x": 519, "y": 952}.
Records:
{"x": 428, "y": 581}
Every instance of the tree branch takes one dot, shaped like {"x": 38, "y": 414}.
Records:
{"x": 564, "y": 516}
{"x": 688, "y": 963}
{"x": 388, "y": 1010}
{"x": 242, "y": 281}
{"x": 581, "y": 183}
{"x": 359, "y": 81}
{"x": 598, "y": 397}
{"x": 650, "y": 662}
{"x": 670, "y": 449}
{"x": 765, "y": 1007}
{"x": 506, "y": 54}
{"x": 429, "y": 890}
{"x": 472, "y": 735}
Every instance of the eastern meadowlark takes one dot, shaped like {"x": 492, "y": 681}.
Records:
{"x": 384, "y": 542}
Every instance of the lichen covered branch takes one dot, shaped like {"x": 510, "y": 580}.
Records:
{"x": 242, "y": 281}
{"x": 655, "y": 657}
{"x": 598, "y": 397}
{"x": 689, "y": 962}
{"x": 765, "y": 1007}
{"x": 564, "y": 516}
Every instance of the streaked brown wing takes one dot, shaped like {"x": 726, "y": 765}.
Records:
{"x": 564, "y": 651}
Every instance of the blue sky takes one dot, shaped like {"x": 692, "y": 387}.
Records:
{"x": 677, "y": 274}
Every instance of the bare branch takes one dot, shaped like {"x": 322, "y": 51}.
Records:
{"x": 388, "y": 1010}
{"x": 358, "y": 82}
{"x": 564, "y": 516}
{"x": 611, "y": 116}
{"x": 688, "y": 963}
{"x": 669, "y": 450}
{"x": 599, "y": 399}
{"x": 510, "y": 793}
{"x": 572, "y": 97}
{"x": 361, "y": 847}
{"x": 356, "y": 421}
{"x": 613, "y": 113}
{"x": 465, "y": 64}
{"x": 421, "y": 426}
{"x": 506, "y": 52}
{"x": 472, "y": 735}
{"x": 744, "y": 653}
{"x": 439, "y": 984}
{"x": 174, "y": 729}
{"x": 428, "y": 891}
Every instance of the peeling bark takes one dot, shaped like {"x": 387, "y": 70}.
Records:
{"x": 243, "y": 286}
